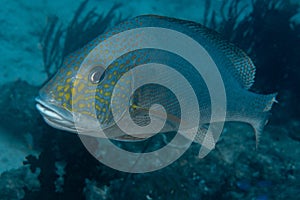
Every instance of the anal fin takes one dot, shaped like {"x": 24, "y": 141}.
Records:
{"x": 205, "y": 137}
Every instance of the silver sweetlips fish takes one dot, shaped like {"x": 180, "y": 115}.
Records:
{"x": 91, "y": 89}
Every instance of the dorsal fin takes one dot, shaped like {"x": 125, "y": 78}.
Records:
{"x": 242, "y": 69}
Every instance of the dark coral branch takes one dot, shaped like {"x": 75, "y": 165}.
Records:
{"x": 49, "y": 41}
{"x": 81, "y": 32}
{"x": 57, "y": 41}
{"x": 270, "y": 38}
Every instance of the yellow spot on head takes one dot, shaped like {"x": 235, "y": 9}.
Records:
{"x": 107, "y": 94}
{"x": 73, "y": 90}
{"x": 69, "y": 73}
{"x": 106, "y": 86}
{"x": 88, "y": 113}
{"x": 67, "y": 96}
{"x": 97, "y": 107}
{"x": 59, "y": 87}
{"x": 66, "y": 88}
{"x": 80, "y": 87}
{"x": 68, "y": 80}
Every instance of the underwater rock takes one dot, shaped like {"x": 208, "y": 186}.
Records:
{"x": 60, "y": 171}
{"x": 230, "y": 146}
{"x": 13, "y": 182}
{"x": 19, "y": 124}
{"x": 93, "y": 192}
{"x": 17, "y": 105}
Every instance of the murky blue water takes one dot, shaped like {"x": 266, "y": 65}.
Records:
{"x": 40, "y": 162}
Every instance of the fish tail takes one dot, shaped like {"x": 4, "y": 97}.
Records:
{"x": 262, "y": 119}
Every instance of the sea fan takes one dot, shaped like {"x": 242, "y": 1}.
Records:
{"x": 58, "y": 41}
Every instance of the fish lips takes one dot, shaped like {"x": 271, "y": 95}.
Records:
{"x": 55, "y": 116}
{"x": 65, "y": 120}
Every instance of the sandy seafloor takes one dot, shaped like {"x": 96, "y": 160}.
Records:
{"x": 21, "y": 22}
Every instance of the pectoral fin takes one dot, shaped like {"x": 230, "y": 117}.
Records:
{"x": 141, "y": 116}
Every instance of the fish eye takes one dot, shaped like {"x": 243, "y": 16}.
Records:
{"x": 97, "y": 74}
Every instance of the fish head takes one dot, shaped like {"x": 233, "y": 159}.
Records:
{"x": 80, "y": 97}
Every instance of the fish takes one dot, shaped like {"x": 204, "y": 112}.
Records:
{"x": 86, "y": 83}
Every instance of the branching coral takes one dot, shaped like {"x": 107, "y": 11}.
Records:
{"x": 58, "y": 41}
{"x": 265, "y": 32}
{"x": 268, "y": 35}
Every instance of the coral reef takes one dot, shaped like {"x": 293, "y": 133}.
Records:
{"x": 18, "y": 105}
{"x": 14, "y": 183}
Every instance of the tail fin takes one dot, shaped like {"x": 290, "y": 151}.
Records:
{"x": 259, "y": 124}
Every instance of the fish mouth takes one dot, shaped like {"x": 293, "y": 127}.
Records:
{"x": 55, "y": 116}
{"x": 65, "y": 120}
